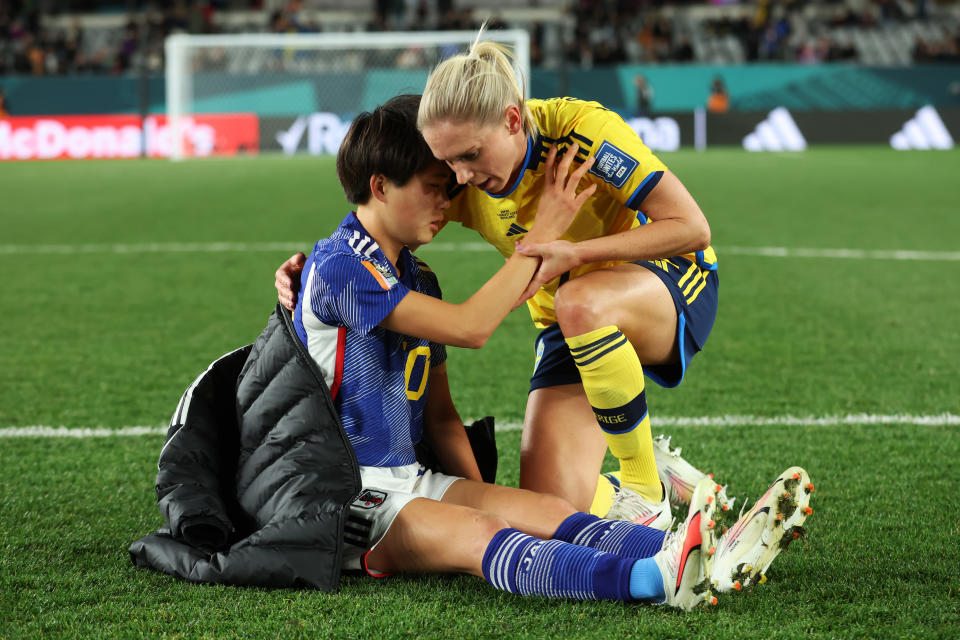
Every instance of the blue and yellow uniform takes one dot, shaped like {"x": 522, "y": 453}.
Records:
{"x": 625, "y": 171}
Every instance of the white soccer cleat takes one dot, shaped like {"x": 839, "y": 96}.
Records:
{"x": 705, "y": 499}
{"x": 631, "y": 506}
{"x": 687, "y": 553}
{"x": 746, "y": 550}
{"x": 680, "y": 477}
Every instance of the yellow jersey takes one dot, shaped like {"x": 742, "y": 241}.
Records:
{"x": 625, "y": 171}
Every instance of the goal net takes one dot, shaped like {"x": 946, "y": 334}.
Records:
{"x": 297, "y": 92}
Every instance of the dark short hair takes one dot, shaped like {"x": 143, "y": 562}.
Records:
{"x": 382, "y": 142}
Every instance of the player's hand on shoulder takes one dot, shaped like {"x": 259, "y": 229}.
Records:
{"x": 288, "y": 280}
{"x": 560, "y": 201}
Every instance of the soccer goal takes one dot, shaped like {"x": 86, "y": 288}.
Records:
{"x": 299, "y": 91}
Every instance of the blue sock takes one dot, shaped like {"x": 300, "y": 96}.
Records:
{"x": 646, "y": 581}
{"x": 613, "y": 536}
{"x": 518, "y": 563}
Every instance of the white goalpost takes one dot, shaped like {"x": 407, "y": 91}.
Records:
{"x": 294, "y": 75}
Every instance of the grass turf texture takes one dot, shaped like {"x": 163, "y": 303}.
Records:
{"x": 111, "y": 339}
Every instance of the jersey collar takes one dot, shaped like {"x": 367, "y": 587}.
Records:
{"x": 405, "y": 260}
{"x": 526, "y": 164}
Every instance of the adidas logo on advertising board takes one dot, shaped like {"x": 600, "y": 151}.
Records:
{"x": 923, "y": 131}
{"x": 777, "y": 132}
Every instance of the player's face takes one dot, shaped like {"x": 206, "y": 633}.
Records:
{"x": 417, "y": 207}
{"x": 487, "y": 156}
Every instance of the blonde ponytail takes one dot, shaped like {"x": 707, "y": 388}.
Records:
{"x": 476, "y": 86}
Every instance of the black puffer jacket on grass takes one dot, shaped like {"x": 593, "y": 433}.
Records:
{"x": 256, "y": 473}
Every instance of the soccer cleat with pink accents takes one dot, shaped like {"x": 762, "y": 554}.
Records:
{"x": 745, "y": 551}
{"x": 680, "y": 477}
{"x": 686, "y": 557}
{"x": 631, "y": 506}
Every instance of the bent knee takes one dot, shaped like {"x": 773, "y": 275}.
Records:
{"x": 579, "y": 309}
{"x": 558, "y": 507}
{"x": 483, "y": 527}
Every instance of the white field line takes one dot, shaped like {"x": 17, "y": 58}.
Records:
{"x": 663, "y": 422}
{"x": 462, "y": 247}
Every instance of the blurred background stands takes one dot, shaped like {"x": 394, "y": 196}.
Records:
{"x": 47, "y": 37}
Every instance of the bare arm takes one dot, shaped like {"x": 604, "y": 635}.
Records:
{"x": 676, "y": 226}
{"x": 444, "y": 429}
{"x": 470, "y": 324}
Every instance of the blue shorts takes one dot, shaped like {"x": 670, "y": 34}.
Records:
{"x": 696, "y": 311}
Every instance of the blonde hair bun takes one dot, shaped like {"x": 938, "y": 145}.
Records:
{"x": 476, "y": 86}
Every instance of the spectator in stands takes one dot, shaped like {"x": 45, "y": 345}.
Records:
{"x": 809, "y": 53}
{"x": 4, "y": 105}
{"x": 604, "y": 32}
{"x": 536, "y": 44}
{"x": 128, "y": 46}
{"x": 497, "y": 22}
{"x": 662, "y": 37}
{"x": 774, "y": 34}
{"x": 644, "y": 95}
{"x": 840, "y": 50}
{"x": 946, "y": 50}
{"x": 280, "y": 22}
{"x": 683, "y": 52}
{"x": 719, "y": 100}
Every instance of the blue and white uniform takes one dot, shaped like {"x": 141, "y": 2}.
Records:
{"x": 379, "y": 382}
{"x": 378, "y": 378}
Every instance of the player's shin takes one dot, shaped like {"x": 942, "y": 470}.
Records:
{"x": 613, "y": 381}
{"x": 519, "y": 563}
{"x": 613, "y": 536}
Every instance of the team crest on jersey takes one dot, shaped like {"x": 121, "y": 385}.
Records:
{"x": 613, "y": 165}
{"x": 387, "y": 274}
{"x": 381, "y": 273}
{"x": 370, "y": 499}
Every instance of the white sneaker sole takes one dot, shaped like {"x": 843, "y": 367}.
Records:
{"x": 793, "y": 507}
{"x": 784, "y": 508}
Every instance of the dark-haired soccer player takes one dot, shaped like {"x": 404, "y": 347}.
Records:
{"x": 371, "y": 316}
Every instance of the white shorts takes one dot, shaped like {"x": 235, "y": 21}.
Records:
{"x": 386, "y": 490}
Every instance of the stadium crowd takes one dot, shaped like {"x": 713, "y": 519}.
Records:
{"x": 602, "y": 32}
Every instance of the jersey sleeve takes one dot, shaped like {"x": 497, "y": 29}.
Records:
{"x": 354, "y": 292}
{"x": 624, "y": 167}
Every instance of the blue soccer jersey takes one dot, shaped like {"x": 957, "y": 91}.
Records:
{"x": 378, "y": 378}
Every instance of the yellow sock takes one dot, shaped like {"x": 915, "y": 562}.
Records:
{"x": 613, "y": 380}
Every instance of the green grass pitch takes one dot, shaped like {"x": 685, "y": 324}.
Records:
{"x": 107, "y": 316}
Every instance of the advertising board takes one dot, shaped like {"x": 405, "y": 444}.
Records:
{"x": 125, "y": 136}
{"x": 775, "y": 130}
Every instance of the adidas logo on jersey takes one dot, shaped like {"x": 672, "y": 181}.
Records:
{"x": 778, "y": 132}
{"x": 515, "y": 230}
{"x": 923, "y": 131}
